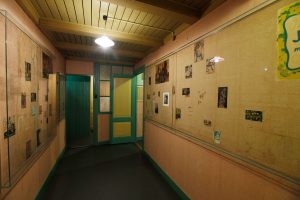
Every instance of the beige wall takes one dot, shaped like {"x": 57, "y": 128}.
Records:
{"x": 203, "y": 174}
{"x": 35, "y": 175}
{"x": 79, "y": 67}
{"x": 29, "y": 185}
{"x": 29, "y": 27}
{"x": 227, "y": 12}
{"x": 244, "y": 45}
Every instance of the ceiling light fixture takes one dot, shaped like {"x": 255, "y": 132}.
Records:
{"x": 217, "y": 59}
{"x": 104, "y": 42}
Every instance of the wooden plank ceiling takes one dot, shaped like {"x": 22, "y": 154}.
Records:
{"x": 136, "y": 26}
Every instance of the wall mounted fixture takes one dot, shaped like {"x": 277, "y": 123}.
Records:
{"x": 217, "y": 59}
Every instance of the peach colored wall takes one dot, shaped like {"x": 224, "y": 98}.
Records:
{"x": 226, "y": 12}
{"x": 203, "y": 174}
{"x": 79, "y": 67}
{"x": 15, "y": 11}
{"x": 200, "y": 173}
{"x": 29, "y": 185}
{"x": 103, "y": 127}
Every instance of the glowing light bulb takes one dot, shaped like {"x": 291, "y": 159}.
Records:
{"x": 104, "y": 42}
{"x": 217, "y": 59}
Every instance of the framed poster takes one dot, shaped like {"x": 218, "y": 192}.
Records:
{"x": 199, "y": 51}
{"x": 188, "y": 71}
{"x": 47, "y": 66}
{"x": 166, "y": 99}
{"x": 222, "y": 97}
{"x": 104, "y": 104}
{"x": 210, "y": 66}
{"x": 27, "y": 71}
{"x": 288, "y": 42}
{"x": 162, "y": 72}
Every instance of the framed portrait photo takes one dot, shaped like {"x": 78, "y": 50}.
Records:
{"x": 166, "y": 98}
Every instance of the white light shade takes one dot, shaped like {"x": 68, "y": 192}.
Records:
{"x": 104, "y": 42}
{"x": 217, "y": 59}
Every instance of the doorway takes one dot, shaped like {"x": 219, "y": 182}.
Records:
{"x": 140, "y": 109}
{"x": 123, "y": 110}
{"x": 78, "y": 124}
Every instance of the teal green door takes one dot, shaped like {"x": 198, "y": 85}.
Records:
{"x": 77, "y": 106}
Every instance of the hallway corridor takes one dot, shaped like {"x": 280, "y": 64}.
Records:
{"x": 107, "y": 172}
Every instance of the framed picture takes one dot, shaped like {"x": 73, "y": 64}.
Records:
{"x": 199, "y": 51}
{"x": 188, "y": 71}
{"x": 104, "y": 104}
{"x": 156, "y": 108}
{"x": 28, "y": 149}
{"x": 222, "y": 97}
{"x": 47, "y": 66}
{"x": 186, "y": 91}
{"x": 178, "y": 113}
{"x": 23, "y": 100}
{"x": 40, "y": 109}
{"x": 210, "y": 66}
{"x": 217, "y": 137}
{"x": 33, "y": 97}
{"x": 254, "y": 115}
{"x": 166, "y": 99}
{"x": 162, "y": 72}
{"x": 27, "y": 71}
{"x": 288, "y": 42}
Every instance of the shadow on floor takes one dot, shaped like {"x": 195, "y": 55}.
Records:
{"x": 86, "y": 140}
{"x": 107, "y": 172}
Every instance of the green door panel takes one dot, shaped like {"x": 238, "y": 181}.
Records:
{"x": 77, "y": 106}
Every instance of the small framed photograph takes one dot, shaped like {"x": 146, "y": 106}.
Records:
{"x": 188, "y": 71}
{"x": 186, "y": 91}
{"x": 178, "y": 113}
{"x": 156, "y": 108}
{"x": 33, "y": 97}
{"x": 210, "y": 66}
{"x": 222, "y": 97}
{"x": 27, "y": 71}
{"x": 199, "y": 51}
{"x": 166, "y": 98}
{"x": 23, "y": 100}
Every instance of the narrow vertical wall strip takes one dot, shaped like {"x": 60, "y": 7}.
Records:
{"x": 6, "y": 94}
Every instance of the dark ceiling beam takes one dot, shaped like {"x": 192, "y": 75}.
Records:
{"x": 102, "y": 61}
{"x": 174, "y": 6}
{"x": 157, "y": 10}
{"x": 29, "y": 8}
{"x": 97, "y": 49}
{"x": 210, "y": 6}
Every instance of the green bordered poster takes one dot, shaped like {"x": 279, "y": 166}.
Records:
{"x": 289, "y": 42}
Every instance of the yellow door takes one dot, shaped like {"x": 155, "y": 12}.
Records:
{"x": 122, "y": 126}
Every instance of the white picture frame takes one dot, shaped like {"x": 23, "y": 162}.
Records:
{"x": 166, "y": 98}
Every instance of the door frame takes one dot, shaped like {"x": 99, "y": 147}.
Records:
{"x": 140, "y": 70}
{"x": 96, "y": 102}
{"x": 132, "y": 137}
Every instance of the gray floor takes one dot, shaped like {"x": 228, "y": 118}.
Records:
{"x": 86, "y": 140}
{"x": 107, "y": 172}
